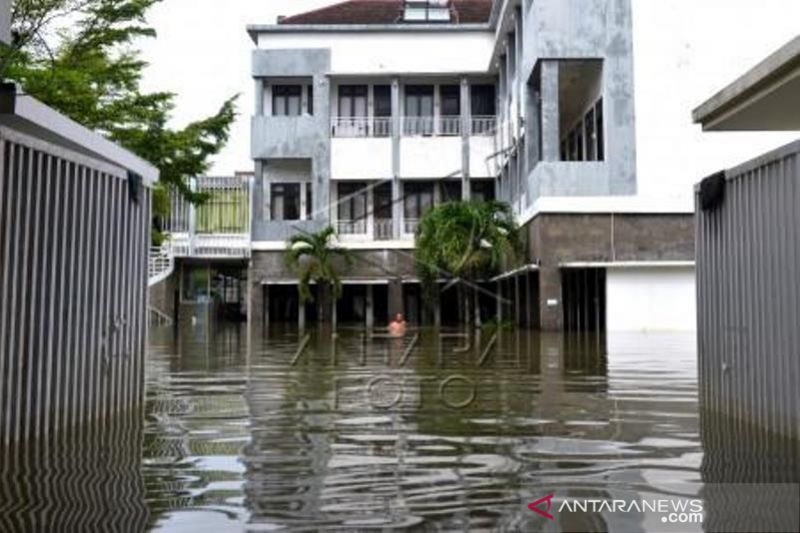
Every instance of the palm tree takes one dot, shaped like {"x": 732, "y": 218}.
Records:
{"x": 313, "y": 258}
{"x": 466, "y": 241}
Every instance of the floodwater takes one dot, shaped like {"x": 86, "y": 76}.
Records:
{"x": 375, "y": 433}
{"x": 435, "y": 432}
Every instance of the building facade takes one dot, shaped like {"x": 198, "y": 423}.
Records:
{"x": 370, "y": 112}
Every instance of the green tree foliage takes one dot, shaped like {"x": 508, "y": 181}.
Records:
{"x": 315, "y": 257}
{"x": 79, "y": 57}
{"x": 466, "y": 241}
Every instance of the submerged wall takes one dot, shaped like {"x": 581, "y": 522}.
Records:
{"x": 74, "y": 237}
{"x": 748, "y": 267}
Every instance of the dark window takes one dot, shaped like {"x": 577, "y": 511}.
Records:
{"x": 382, "y": 126}
{"x": 352, "y": 202}
{"x": 450, "y": 110}
{"x": 310, "y": 100}
{"x": 383, "y": 100}
{"x": 286, "y": 100}
{"x": 285, "y": 202}
{"x": 591, "y": 136}
{"x": 483, "y": 100}
{"x": 451, "y": 190}
{"x": 309, "y": 202}
{"x": 483, "y": 190}
{"x": 383, "y": 201}
{"x": 417, "y": 200}
{"x": 601, "y": 149}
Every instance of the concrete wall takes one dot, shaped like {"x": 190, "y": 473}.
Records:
{"x": 558, "y": 239}
{"x": 392, "y": 52}
{"x": 748, "y": 247}
{"x": 557, "y": 30}
{"x": 162, "y": 295}
{"x": 655, "y": 298}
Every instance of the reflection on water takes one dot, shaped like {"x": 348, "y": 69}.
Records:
{"x": 367, "y": 433}
{"x": 434, "y": 434}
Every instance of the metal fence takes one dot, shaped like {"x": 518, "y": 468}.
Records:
{"x": 74, "y": 237}
{"x": 748, "y": 270}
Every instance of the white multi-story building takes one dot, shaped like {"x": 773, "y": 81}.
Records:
{"x": 369, "y": 112}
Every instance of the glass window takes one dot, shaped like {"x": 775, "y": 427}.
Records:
{"x": 310, "y": 97}
{"x": 451, "y": 190}
{"x": 417, "y": 199}
{"x": 352, "y": 202}
{"x": 591, "y": 136}
{"x": 598, "y": 112}
{"x": 483, "y": 100}
{"x": 309, "y": 202}
{"x": 419, "y": 110}
{"x": 383, "y": 201}
{"x": 352, "y": 110}
{"x": 450, "y": 110}
{"x": 382, "y": 126}
{"x": 483, "y": 190}
{"x": 286, "y": 100}
{"x": 285, "y": 201}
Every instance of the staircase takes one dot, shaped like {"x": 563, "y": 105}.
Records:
{"x": 161, "y": 264}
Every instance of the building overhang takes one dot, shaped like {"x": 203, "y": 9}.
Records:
{"x": 767, "y": 98}
{"x": 254, "y": 30}
{"x": 30, "y": 116}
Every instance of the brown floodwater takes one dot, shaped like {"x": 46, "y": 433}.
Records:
{"x": 306, "y": 431}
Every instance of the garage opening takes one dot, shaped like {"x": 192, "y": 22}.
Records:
{"x": 584, "y": 297}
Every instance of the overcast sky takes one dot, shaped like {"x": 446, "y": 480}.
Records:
{"x": 685, "y": 50}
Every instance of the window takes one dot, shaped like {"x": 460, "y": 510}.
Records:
{"x": 382, "y": 124}
{"x": 426, "y": 11}
{"x": 417, "y": 200}
{"x": 286, "y": 100}
{"x": 450, "y": 110}
{"x": 352, "y": 111}
{"x": 285, "y": 201}
{"x": 383, "y": 201}
{"x": 352, "y": 208}
{"x": 581, "y": 109}
{"x": 310, "y": 97}
{"x": 584, "y": 142}
{"x": 482, "y": 190}
{"x": 483, "y": 107}
{"x": 598, "y": 113}
{"x": 419, "y": 110}
{"x": 450, "y": 190}
{"x": 309, "y": 202}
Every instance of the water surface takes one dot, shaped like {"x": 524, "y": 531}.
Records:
{"x": 358, "y": 432}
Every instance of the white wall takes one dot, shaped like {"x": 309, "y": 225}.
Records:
{"x": 396, "y": 52}
{"x": 651, "y": 299}
{"x": 361, "y": 158}
{"x": 430, "y": 157}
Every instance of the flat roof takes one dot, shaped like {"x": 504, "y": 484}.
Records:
{"x": 766, "y": 98}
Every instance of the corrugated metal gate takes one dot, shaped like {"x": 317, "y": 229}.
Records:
{"x": 74, "y": 237}
{"x": 748, "y": 274}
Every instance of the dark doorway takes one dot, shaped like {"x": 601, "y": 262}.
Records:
{"x": 584, "y": 296}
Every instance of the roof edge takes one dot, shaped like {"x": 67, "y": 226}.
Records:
{"x": 254, "y": 29}
{"x": 776, "y": 65}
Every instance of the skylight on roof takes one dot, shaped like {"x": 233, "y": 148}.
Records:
{"x": 427, "y": 11}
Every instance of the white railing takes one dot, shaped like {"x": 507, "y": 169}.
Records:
{"x": 160, "y": 265}
{"x": 449, "y": 126}
{"x": 414, "y": 126}
{"x": 410, "y": 225}
{"x": 383, "y": 229}
{"x": 361, "y": 127}
{"x": 351, "y": 227}
{"x": 235, "y": 245}
{"x": 481, "y": 125}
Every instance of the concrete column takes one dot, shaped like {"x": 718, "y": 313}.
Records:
{"x": 551, "y": 141}
{"x": 397, "y": 206}
{"x": 256, "y": 302}
{"x": 466, "y": 122}
{"x": 301, "y": 315}
{"x": 259, "y": 96}
{"x": 369, "y": 313}
{"x": 395, "y": 297}
{"x": 550, "y": 299}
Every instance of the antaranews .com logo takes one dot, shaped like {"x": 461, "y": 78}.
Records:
{"x": 671, "y": 511}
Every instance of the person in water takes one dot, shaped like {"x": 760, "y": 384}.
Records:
{"x": 397, "y": 327}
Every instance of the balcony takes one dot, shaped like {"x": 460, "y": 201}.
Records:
{"x": 348, "y": 127}
{"x": 381, "y": 229}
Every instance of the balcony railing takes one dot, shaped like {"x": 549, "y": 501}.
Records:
{"x": 383, "y": 229}
{"x": 361, "y": 126}
{"x": 483, "y": 125}
{"x": 351, "y": 227}
{"x": 410, "y": 225}
{"x": 428, "y": 126}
